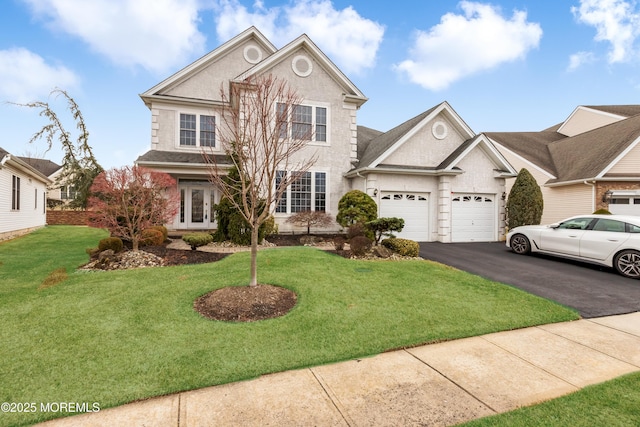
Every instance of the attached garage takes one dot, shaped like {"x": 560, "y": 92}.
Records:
{"x": 625, "y": 203}
{"x": 413, "y": 208}
{"x": 473, "y": 217}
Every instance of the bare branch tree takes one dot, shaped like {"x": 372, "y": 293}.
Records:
{"x": 261, "y": 143}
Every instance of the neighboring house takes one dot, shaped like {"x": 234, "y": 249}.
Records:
{"x": 433, "y": 171}
{"x": 23, "y": 196}
{"x": 57, "y": 195}
{"x": 589, "y": 161}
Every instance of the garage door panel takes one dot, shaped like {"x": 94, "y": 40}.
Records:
{"x": 413, "y": 208}
{"x": 473, "y": 218}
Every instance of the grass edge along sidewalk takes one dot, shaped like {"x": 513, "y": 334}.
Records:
{"x": 119, "y": 336}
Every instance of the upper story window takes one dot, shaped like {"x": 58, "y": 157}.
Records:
{"x": 304, "y": 122}
{"x": 197, "y": 130}
{"x": 15, "y": 193}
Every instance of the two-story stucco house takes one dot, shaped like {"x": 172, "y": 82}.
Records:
{"x": 23, "y": 196}
{"x": 433, "y": 171}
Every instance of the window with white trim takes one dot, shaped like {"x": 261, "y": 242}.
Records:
{"x": 15, "y": 193}
{"x": 304, "y": 122}
{"x": 68, "y": 192}
{"x": 197, "y": 130}
{"x": 307, "y": 193}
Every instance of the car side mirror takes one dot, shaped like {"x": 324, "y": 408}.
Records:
{"x": 554, "y": 225}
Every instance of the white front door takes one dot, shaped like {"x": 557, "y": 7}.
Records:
{"x": 196, "y": 207}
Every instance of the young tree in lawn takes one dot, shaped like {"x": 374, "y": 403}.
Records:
{"x": 128, "y": 200}
{"x": 79, "y": 165}
{"x": 264, "y": 146}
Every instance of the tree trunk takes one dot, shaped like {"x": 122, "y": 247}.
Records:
{"x": 135, "y": 243}
{"x": 254, "y": 256}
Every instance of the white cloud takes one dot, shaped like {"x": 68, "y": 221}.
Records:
{"x": 461, "y": 45}
{"x": 153, "y": 34}
{"x": 350, "y": 40}
{"x": 578, "y": 59}
{"x": 615, "y": 22}
{"x": 25, "y": 76}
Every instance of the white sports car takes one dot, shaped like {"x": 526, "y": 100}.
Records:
{"x": 611, "y": 240}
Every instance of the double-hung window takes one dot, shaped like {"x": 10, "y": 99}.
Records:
{"x": 302, "y": 122}
{"x": 68, "y": 192}
{"x": 307, "y": 193}
{"x": 197, "y": 130}
{"x": 15, "y": 193}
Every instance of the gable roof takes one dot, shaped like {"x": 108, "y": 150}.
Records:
{"x": 45, "y": 166}
{"x": 7, "y": 158}
{"x": 250, "y": 33}
{"x": 383, "y": 145}
{"x": 585, "y": 156}
{"x": 590, "y": 154}
{"x": 351, "y": 91}
{"x": 374, "y": 146}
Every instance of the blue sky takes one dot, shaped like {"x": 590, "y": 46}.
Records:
{"x": 504, "y": 65}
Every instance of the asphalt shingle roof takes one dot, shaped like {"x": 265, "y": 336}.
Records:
{"x": 583, "y": 156}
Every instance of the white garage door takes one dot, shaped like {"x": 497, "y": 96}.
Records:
{"x": 625, "y": 205}
{"x": 413, "y": 208}
{"x": 473, "y": 218}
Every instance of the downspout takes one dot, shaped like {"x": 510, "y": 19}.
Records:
{"x": 593, "y": 194}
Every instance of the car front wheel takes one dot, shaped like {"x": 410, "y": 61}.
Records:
{"x": 520, "y": 244}
{"x": 628, "y": 263}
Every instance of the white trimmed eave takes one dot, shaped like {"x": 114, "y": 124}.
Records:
{"x": 15, "y": 162}
{"x": 443, "y": 107}
{"x": 205, "y": 60}
{"x": 592, "y": 180}
{"x": 618, "y": 158}
{"x": 492, "y": 152}
{"x": 391, "y": 170}
{"x": 519, "y": 157}
{"x": 149, "y": 100}
{"x": 305, "y": 42}
{"x": 582, "y": 107}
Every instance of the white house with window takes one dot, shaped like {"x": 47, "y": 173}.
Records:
{"x": 23, "y": 196}
{"x": 444, "y": 180}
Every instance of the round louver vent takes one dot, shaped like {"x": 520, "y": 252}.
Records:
{"x": 302, "y": 65}
{"x": 439, "y": 130}
{"x": 252, "y": 54}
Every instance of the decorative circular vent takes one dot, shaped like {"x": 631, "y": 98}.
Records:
{"x": 439, "y": 130}
{"x": 302, "y": 65}
{"x": 252, "y": 54}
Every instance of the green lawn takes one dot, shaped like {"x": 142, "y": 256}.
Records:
{"x": 615, "y": 403}
{"x": 114, "y": 337}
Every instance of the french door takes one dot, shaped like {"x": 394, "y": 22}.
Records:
{"x": 196, "y": 207}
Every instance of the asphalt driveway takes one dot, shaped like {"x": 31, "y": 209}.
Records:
{"x": 592, "y": 290}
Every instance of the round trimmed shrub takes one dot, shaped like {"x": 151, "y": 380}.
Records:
{"x": 354, "y": 207}
{"x": 113, "y": 243}
{"x": 360, "y": 245}
{"x": 151, "y": 237}
{"x": 162, "y": 229}
{"x": 196, "y": 240}
{"x": 403, "y": 247}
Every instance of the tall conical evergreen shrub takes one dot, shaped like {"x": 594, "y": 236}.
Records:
{"x": 525, "y": 204}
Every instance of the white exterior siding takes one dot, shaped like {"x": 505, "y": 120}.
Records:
{"x": 566, "y": 201}
{"x": 31, "y": 214}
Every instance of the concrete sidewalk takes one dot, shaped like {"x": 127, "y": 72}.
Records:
{"x": 438, "y": 385}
